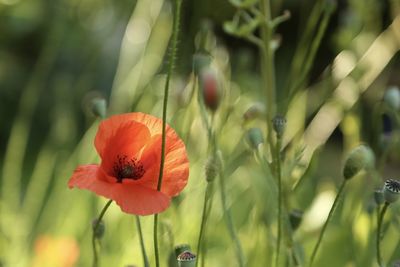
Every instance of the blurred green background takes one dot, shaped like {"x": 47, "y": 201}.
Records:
{"x": 57, "y": 55}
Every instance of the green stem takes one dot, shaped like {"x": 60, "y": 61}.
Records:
{"x": 229, "y": 220}
{"x": 321, "y": 234}
{"x": 95, "y": 228}
{"x": 379, "y": 234}
{"x": 142, "y": 246}
{"x": 206, "y": 208}
{"x": 280, "y": 199}
{"x": 171, "y": 60}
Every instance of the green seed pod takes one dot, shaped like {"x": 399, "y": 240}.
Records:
{"x": 379, "y": 197}
{"x": 392, "y": 97}
{"x": 181, "y": 248}
{"x": 255, "y": 137}
{"x": 279, "y": 125}
{"x": 99, "y": 107}
{"x": 212, "y": 168}
{"x": 361, "y": 157}
{"x": 186, "y": 259}
{"x": 99, "y": 230}
{"x": 391, "y": 190}
{"x": 295, "y": 218}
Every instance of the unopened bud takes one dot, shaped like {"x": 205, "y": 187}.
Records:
{"x": 210, "y": 88}
{"x": 212, "y": 168}
{"x": 257, "y": 110}
{"x": 391, "y": 190}
{"x": 186, "y": 259}
{"x": 98, "y": 228}
{"x": 255, "y": 137}
{"x": 295, "y": 218}
{"x": 379, "y": 197}
{"x": 361, "y": 157}
{"x": 392, "y": 97}
{"x": 99, "y": 107}
{"x": 201, "y": 60}
{"x": 279, "y": 125}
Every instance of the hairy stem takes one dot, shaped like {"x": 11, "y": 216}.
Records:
{"x": 321, "y": 234}
{"x": 280, "y": 197}
{"x": 95, "y": 228}
{"x": 142, "y": 246}
{"x": 171, "y": 62}
{"x": 379, "y": 234}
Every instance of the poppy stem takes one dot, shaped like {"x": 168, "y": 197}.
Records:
{"x": 95, "y": 229}
{"x": 139, "y": 229}
{"x": 321, "y": 234}
{"x": 171, "y": 64}
{"x": 379, "y": 234}
{"x": 280, "y": 197}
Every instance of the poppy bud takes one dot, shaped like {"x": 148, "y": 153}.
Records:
{"x": 257, "y": 110}
{"x": 211, "y": 169}
{"x": 361, "y": 157}
{"x": 186, "y": 259}
{"x": 181, "y": 248}
{"x": 210, "y": 89}
{"x": 392, "y": 97}
{"x": 255, "y": 137}
{"x": 279, "y": 125}
{"x": 295, "y": 218}
{"x": 98, "y": 228}
{"x": 99, "y": 107}
{"x": 391, "y": 190}
{"x": 379, "y": 197}
{"x": 201, "y": 60}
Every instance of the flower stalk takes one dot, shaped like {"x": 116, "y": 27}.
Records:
{"x": 171, "y": 63}
{"x": 142, "y": 246}
{"x": 381, "y": 214}
{"x": 95, "y": 230}
{"x": 321, "y": 234}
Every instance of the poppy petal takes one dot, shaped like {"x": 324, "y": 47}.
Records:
{"x": 125, "y": 140}
{"x": 176, "y": 167}
{"x": 132, "y": 198}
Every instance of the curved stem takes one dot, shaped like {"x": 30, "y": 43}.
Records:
{"x": 142, "y": 246}
{"x": 321, "y": 234}
{"x": 171, "y": 60}
{"x": 280, "y": 197}
{"x": 379, "y": 234}
{"x": 229, "y": 220}
{"x": 206, "y": 208}
{"x": 95, "y": 228}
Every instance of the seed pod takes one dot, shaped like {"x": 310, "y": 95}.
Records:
{"x": 210, "y": 88}
{"x": 392, "y": 97}
{"x": 391, "y": 190}
{"x": 295, "y": 218}
{"x": 255, "y": 137}
{"x": 99, "y": 107}
{"x": 181, "y": 248}
{"x": 379, "y": 197}
{"x": 361, "y": 157}
{"x": 212, "y": 168}
{"x": 99, "y": 230}
{"x": 186, "y": 259}
{"x": 279, "y": 125}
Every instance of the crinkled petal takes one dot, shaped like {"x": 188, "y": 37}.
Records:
{"x": 119, "y": 137}
{"x": 132, "y": 198}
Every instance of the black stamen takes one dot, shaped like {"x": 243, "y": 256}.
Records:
{"x": 125, "y": 168}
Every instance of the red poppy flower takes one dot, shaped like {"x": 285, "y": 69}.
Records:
{"x": 129, "y": 146}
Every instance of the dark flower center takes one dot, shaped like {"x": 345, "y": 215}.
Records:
{"x": 125, "y": 168}
{"x": 393, "y": 185}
